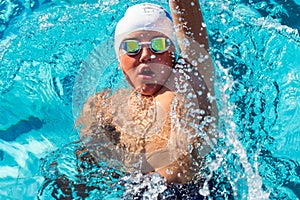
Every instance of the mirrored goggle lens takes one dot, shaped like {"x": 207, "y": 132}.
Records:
{"x": 131, "y": 46}
{"x": 159, "y": 45}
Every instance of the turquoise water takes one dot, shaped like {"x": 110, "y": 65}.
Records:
{"x": 50, "y": 64}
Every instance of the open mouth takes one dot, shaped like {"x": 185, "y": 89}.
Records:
{"x": 147, "y": 73}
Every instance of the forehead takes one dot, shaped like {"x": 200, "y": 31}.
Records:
{"x": 144, "y": 35}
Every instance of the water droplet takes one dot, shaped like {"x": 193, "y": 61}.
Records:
{"x": 168, "y": 171}
{"x": 204, "y": 192}
{"x": 194, "y": 62}
{"x": 152, "y": 56}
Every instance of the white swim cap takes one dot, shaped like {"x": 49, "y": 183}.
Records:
{"x": 145, "y": 16}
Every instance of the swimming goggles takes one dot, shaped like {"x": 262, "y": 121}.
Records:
{"x": 156, "y": 45}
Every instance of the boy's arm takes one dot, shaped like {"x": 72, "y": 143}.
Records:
{"x": 192, "y": 37}
{"x": 194, "y": 46}
{"x": 188, "y": 22}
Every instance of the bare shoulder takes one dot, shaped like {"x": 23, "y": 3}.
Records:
{"x": 93, "y": 112}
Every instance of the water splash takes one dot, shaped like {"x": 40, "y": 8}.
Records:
{"x": 42, "y": 53}
{"x": 250, "y": 175}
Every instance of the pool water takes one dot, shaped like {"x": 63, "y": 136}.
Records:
{"x": 54, "y": 54}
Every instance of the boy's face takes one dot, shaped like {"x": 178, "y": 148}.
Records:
{"x": 147, "y": 71}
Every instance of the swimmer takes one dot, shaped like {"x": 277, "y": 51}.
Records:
{"x": 161, "y": 121}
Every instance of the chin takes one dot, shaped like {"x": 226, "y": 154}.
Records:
{"x": 150, "y": 89}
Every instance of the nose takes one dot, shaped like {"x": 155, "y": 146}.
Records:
{"x": 145, "y": 54}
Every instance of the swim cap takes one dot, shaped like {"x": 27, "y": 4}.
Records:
{"x": 144, "y": 16}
